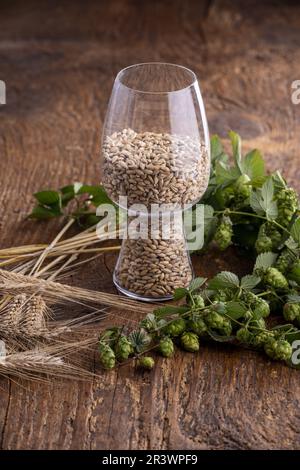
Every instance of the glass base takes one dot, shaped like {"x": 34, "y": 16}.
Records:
{"x": 135, "y": 296}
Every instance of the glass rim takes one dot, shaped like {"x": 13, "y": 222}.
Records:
{"x": 194, "y": 78}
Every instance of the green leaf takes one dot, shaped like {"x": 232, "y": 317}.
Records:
{"x": 110, "y": 335}
{"x": 293, "y": 298}
{"x": 258, "y": 181}
{"x": 224, "y": 174}
{"x": 295, "y": 231}
{"x": 224, "y": 280}
{"x": 265, "y": 260}
{"x": 210, "y": 220}
{"x": 278, "y": 179}
{"x": 249, "y": 281}
{"x": 89, "y": 189}
{"x": 91, "y": 219}
{"x": 170, "y": 310}
{"x": 220, "y": 338}
{"x": 210, "y": 225}
{"x": 47, "y": 197}
{"x": 219, "y": 307}
{"x": 235, "y": 310}
{"x": 262, "y": 201}
{"x": 208, "y": 213}
{"x": 292, "y": 245}
{"x": 77, "y": 186}
{"x": 69, "y": 189}
{"x": 196, "y": 283}
{"x": 180, "y": 293}
{"x": 97, "y": 193}
{"x": 253, "y": 165}
{"x": 43, "y": 213}
{"x": 269, "y": 205}
{"x": 67, "y": 194}
{"x": 236, "y": 150}
{"x": 216, "y": 147}
{"x": 256, "y": 203}
{"x": 293, "y": 335}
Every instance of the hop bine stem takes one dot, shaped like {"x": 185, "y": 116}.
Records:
{"x": 256, "y": 216}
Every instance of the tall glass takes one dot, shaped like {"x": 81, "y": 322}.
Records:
{"x": 155, "y": 157}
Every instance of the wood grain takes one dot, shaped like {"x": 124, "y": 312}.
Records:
{"x": 58, "y": 60}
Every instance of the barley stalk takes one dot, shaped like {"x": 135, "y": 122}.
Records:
{"x": 48, "y": 361}
{"x": 54, "y": 292}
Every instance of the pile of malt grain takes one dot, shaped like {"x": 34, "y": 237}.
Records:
{"x": 151, "y": 168}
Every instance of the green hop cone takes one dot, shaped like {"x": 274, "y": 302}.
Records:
{"x": 190, "y": 341}
{"x": 271, "y": 233}
{"x": 291, "y": 312}
{"x": 166, "y": 347}
{"x": 258, "y": 323}
{"x": 275, "y": 236}
{"x": 226, "y": 329}
{"x": 197, "y": 325}
{"x": 261, "y": 308}
{"x": 198, "y": 301}
{"x": 284, "y": 261}
{"x": 262, "y": 338}
{"x": 278, "y": 349}
{"x": 242, "y": 190}
{"x": 223, "y": 196}
{"x": 147, "y": 324}
{"x": 287, "y": 203}
{"x": 274, "y": 278}
{"x": 249, "y": 298}
{"x": 146, "y": 362}
{"x": 223, "y": 295}
{"x": 294, "y": 273}
{"x": 248, "y": 315}
{"x": 224, "y": 234}
{"x": 244, "y": 335}
{"x": 176, "y": 327}
{"x": 107, "y": 356}
{"x": 123, "y": 348}
{"x": 214, "y": 320}
{"x": 263, "y": 244}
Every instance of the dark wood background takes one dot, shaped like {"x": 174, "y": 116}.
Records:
{"x": 59, "y": 59}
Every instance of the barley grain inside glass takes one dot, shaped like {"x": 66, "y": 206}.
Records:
{"x": 155, "y": 150}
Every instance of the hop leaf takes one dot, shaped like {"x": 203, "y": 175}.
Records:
{"x": 253, "y": 165}
{"x": 224, "y": 280}
{"x": 265, "y": 260}
{"x": 197, "y": 283}
{"x": 295, "y": 231}
{"x": 262, "y": 201}
{"x": 250, "y": 281}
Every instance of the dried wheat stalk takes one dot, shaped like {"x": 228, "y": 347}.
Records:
{"x": 46, "y": 361}
{"x": 24, "y": 315}
{"x": 36, "y": 347}
{"x": 26, "y": 257}
{"x": 54, "y": 292}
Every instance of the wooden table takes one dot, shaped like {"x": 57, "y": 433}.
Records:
{"x": 58, "y": 60}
